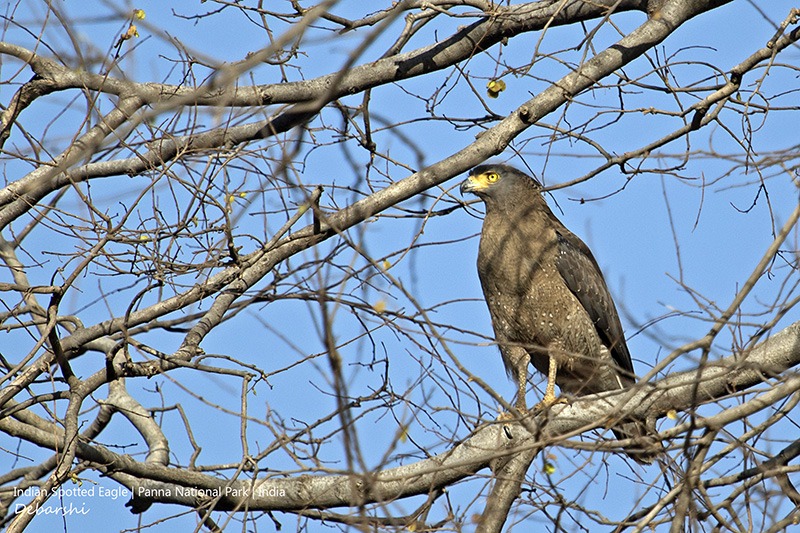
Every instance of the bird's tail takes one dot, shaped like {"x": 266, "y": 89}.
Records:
{"x": 646, "y": 447}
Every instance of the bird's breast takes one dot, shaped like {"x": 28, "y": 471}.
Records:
{"x": 528, "y": 299}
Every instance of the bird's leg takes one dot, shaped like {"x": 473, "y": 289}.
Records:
{"x": 517, "y": 359}
{"x": 521, "y": 365}
{"x": 550, "y": 392}
{"x": 522, "y": 404}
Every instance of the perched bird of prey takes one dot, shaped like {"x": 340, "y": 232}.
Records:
{"x": 547, "y": 297}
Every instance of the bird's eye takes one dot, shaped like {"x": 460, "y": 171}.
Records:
{"x": 491, "y": 177}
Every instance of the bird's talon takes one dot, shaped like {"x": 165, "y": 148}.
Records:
{"x": 547, "y": 402}
{"x": 506, "y": 417}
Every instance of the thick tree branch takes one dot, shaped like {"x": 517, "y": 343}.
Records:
{"x": 487, "y": 446}
{"x": 503, "y": 23}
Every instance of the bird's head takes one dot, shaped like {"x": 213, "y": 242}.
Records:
{"x": 499, "y": 183}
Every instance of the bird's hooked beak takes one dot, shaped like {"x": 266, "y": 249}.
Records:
{"x": 474, "y": 184}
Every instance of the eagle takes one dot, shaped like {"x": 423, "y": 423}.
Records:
{"x": 547, "y": 298}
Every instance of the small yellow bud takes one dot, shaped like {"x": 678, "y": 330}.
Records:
{"x": 549, "y": 468}
{"x": 144, "y": 238}
{"x": 379, "y": 306}
{"x": 138, "y": 14}
{"x": 672, "y": 414}
{"x": 386, "y": 265}
{"x": 495, "y": 87}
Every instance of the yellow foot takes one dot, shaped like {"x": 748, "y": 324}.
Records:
{"x": 547, "y": 401}
{"x": 502, "y": 417}
{"x": 506, "y": 416}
